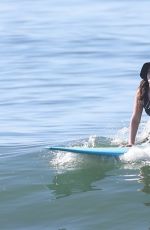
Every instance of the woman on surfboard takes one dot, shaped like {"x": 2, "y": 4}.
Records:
{"x": 142, "y": 100}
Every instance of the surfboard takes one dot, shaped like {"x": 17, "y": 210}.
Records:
{"x": 102, "y": 151}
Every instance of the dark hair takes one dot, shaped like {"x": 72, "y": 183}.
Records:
{"x": 143, "y": 89}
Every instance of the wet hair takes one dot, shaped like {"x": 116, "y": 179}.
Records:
{"x": 143, "y": 89}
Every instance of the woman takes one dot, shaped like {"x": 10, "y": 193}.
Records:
{"x": 142, "y": 100}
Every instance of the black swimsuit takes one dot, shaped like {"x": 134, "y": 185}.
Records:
{"x": 147, "y": 104}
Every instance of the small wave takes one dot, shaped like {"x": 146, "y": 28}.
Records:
{"x": 62, "y": 161}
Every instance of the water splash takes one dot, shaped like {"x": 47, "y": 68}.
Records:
{"x": 143, "y": 135}
{"x": 96, "y": 141}
{"x": 137, "y": 154}
{"x": 69, "y": 161}
{"x": 62, "y": 161}
{"x": 121, "y": 137}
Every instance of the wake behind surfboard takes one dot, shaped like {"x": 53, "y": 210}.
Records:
{"x": 102, "y": 151}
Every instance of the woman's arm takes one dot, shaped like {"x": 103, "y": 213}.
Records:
{"x": 135, "y": 119}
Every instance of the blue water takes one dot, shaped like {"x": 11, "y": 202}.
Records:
{"x": 69, "y": 71}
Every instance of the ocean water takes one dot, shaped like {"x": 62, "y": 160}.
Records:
{"x": 69, "y": 71}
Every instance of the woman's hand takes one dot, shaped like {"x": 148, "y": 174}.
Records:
{"x": 129, "y": 145}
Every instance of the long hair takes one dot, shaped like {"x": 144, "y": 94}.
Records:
{"x": 143, "y": 89}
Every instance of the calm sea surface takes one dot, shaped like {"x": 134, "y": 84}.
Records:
{"x": 68, "y": 75}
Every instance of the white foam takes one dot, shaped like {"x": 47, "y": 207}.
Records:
{"x": 143, "y": 135}
{"x": 137, "y": 153}
{"x": 91, "y": 142}
{"x": 121, "y": 137}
